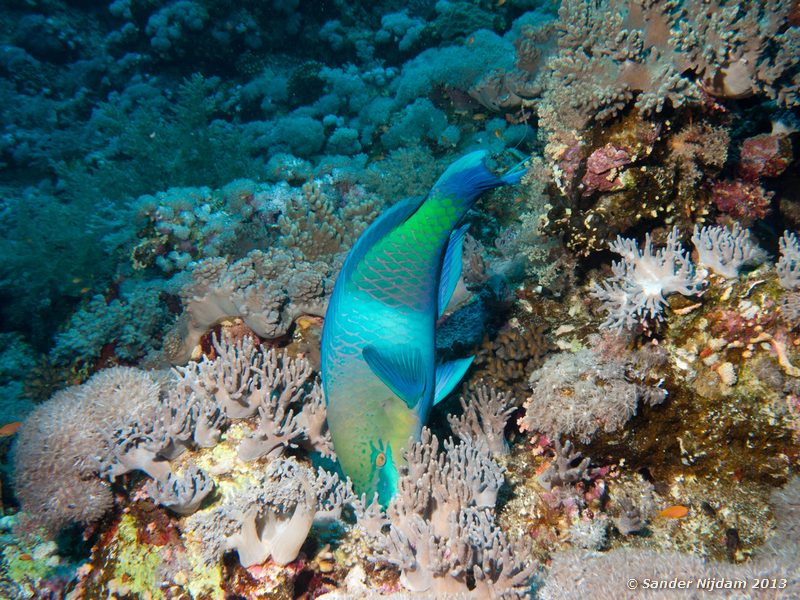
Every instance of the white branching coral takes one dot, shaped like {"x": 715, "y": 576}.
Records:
{"x": 246, "y": 379}
{"x": 486, "y": 412}
{"x": 788, "y": 265}
{"x": 441, "y": 530}
{"x": 271, "y": 517}
{"x": 643, "y": 279}
{"x": 724, "y": 250}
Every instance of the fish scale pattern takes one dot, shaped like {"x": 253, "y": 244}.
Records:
{"x": 393, "y": 273}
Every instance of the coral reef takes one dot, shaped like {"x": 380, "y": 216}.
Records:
{"x": 442, "y": 534}
{"x": 181, "y": 182}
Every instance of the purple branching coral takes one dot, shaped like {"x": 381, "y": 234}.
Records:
{"x": 486, "y": 412}
{"x": 724, "y": 250}
{"x": 441, "y": 529}
{"x": 568, "y": 467}
{"x": 643, "y": 279}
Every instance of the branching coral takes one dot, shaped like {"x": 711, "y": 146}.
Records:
{"x": 567, "y": 468}
{"x": 788, "y": 265}
{"x": 486, "y": 412}
{"x": 642, "y": 280}
{"x": 245, "y": 379}
{"x": 511, "y": 356}
{"x": 327, "y": 218}
{"x": 442, "y": 534}
{"x": 725, "y": 250}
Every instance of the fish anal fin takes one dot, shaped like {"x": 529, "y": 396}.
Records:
{"x": 448, "y": 375}
{"x": 400, "y": 368}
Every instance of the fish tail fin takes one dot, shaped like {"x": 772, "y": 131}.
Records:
{"x": 469, "y": 176}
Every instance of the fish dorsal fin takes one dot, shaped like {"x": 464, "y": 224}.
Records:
{"x": 379, "y": 228}
{"x": 448, "y": 375}
{"x": 451, "y": 267}
{"x": 400, "y": 368}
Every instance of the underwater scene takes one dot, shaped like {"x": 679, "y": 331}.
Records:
{"x": 437, "y": 299}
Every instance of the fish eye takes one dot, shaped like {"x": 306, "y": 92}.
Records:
{"x": 380, "y": 460}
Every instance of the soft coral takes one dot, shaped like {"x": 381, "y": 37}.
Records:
{"x": 644, "y": 278}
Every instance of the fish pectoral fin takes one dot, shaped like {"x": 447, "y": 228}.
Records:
{"x": 401, "y": 369}
{"x": 448, "y": 375}
{"x": 451, "y": 267}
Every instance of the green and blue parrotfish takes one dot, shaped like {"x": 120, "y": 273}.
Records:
{"x": 379, "y": 371}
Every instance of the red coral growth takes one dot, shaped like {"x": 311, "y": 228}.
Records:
{"x": 765, "y": 155}
{"x": 603, "y": 168}
{"x": 794, "y": 13}
{"x": 743, "y": 200}
{"x": 733, "y": 326}
{"x": 234, "y": 330}
{"x": 567, "y": 158}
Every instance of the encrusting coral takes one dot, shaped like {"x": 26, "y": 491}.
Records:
{"x": 266, "y": 289}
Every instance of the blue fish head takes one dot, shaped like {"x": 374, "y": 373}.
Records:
{"x": 385, "y": 473}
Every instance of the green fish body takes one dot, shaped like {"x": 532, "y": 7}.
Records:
{"x": 379, "y": 371}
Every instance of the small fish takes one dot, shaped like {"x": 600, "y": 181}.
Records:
{"x": 10, "y": 429}
{"x": 676, "y": 511}
{"x": 379, "y": 369}
{"x": 25, "y": 557}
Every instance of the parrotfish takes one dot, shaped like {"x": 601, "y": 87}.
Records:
{"x": 379, "y": 371}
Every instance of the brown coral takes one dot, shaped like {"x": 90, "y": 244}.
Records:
{"x": 509, "y": 358}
